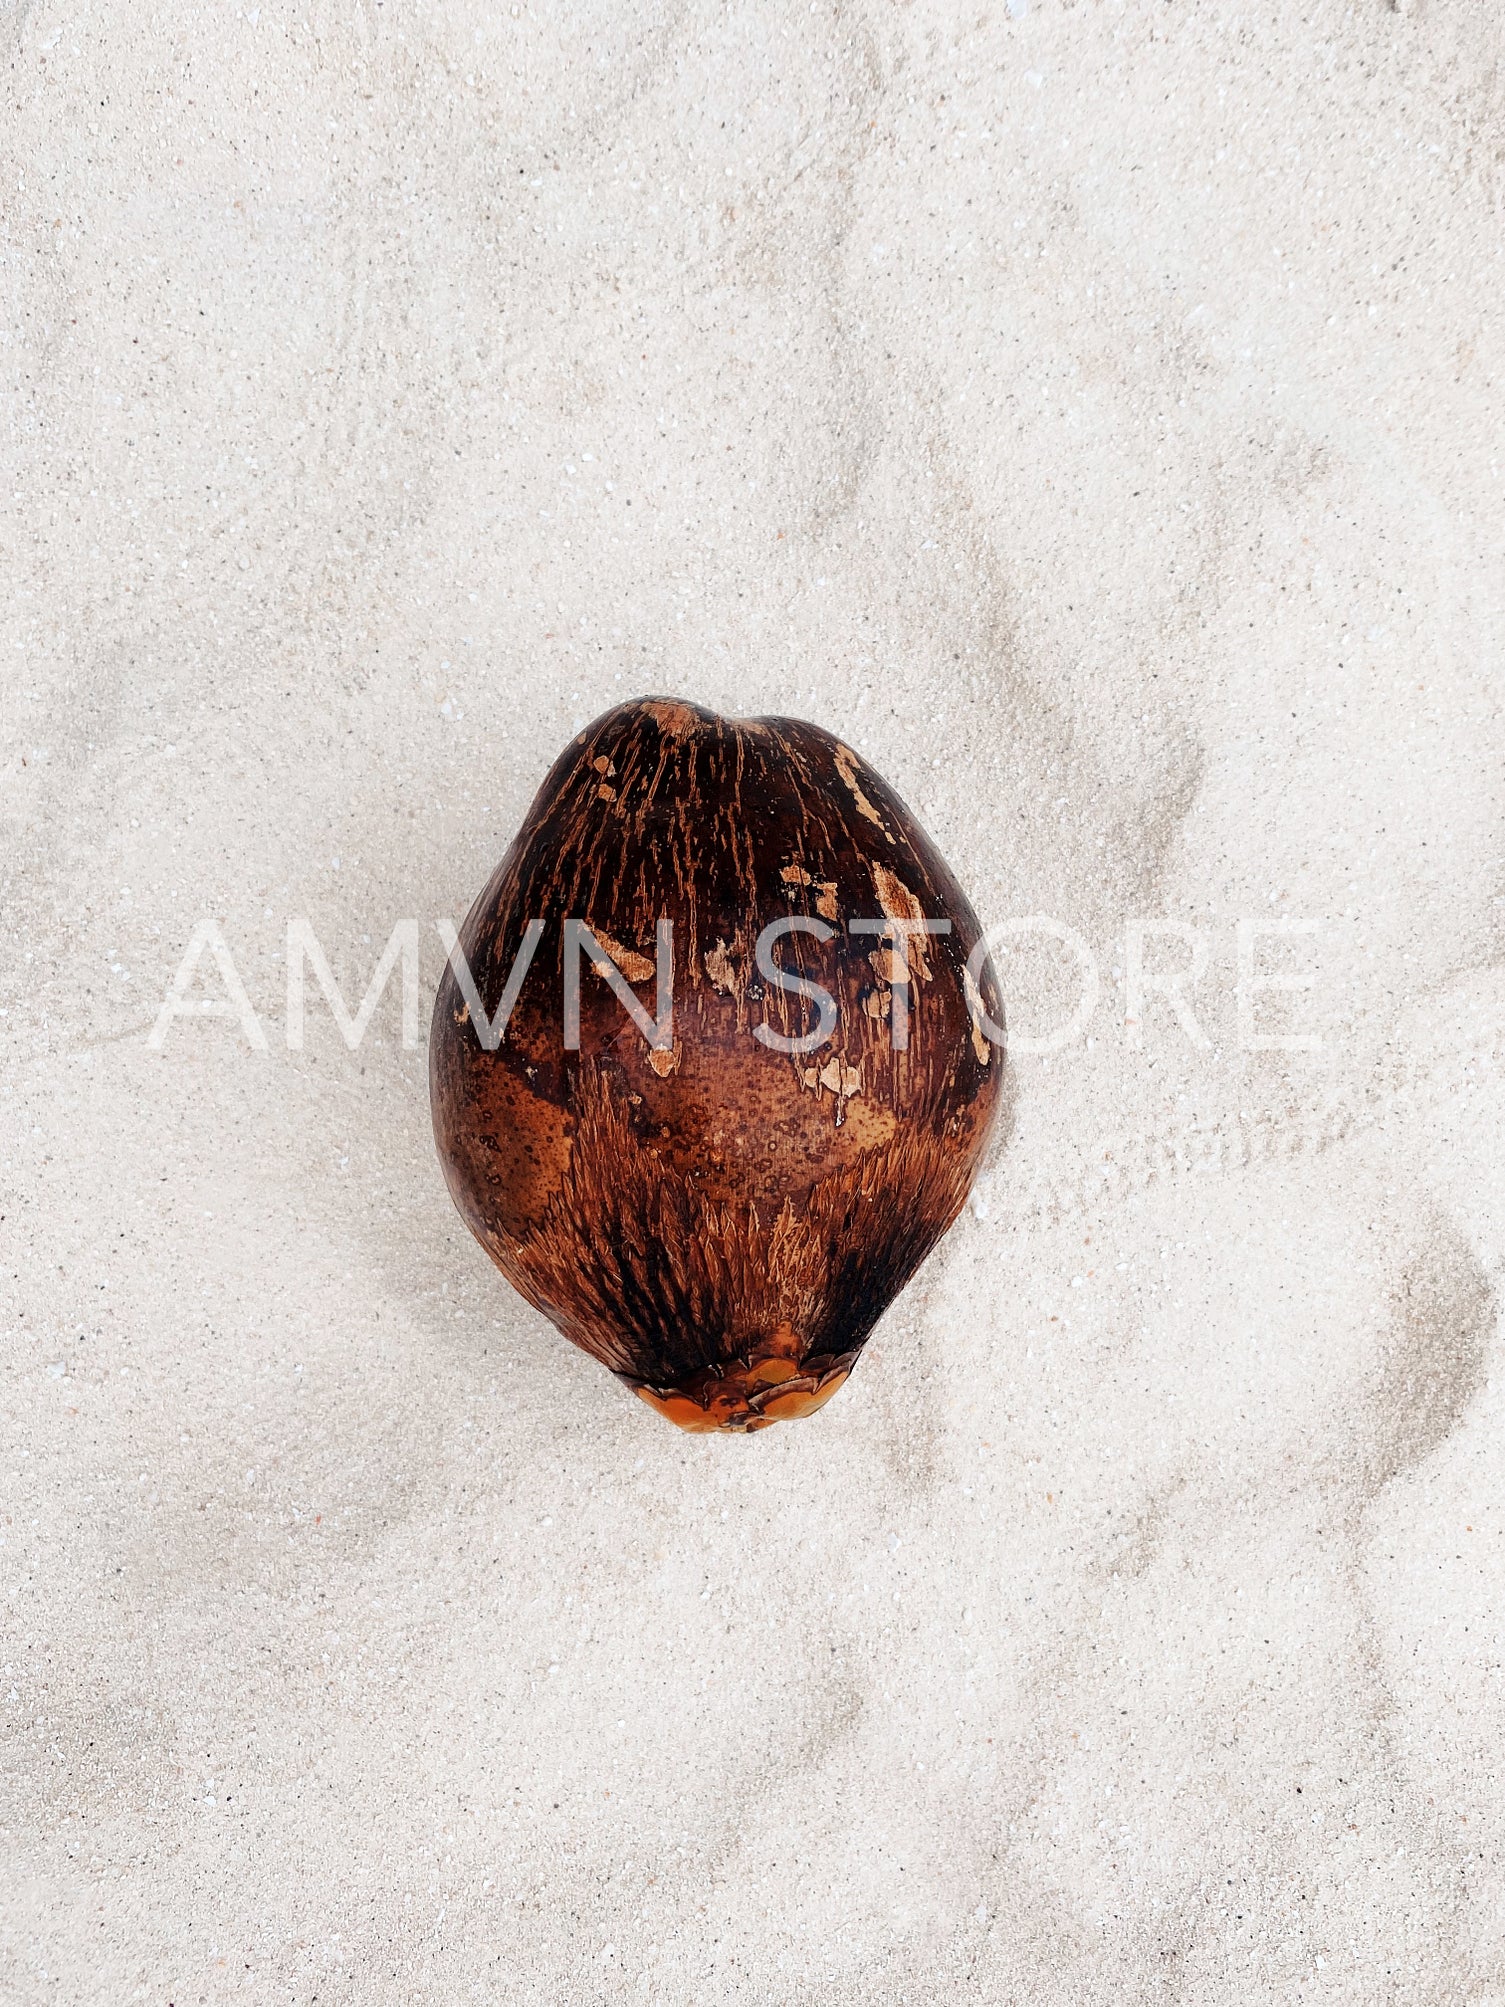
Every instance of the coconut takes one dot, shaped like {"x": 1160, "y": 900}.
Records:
{"x": 715, "y": 1057}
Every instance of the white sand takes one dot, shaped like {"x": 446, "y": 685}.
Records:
{"x": 1095, "y": 416}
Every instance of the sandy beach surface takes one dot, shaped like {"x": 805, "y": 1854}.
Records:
{"x": 1092, "y": 412}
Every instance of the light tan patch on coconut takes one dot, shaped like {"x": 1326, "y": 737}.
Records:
{"x": 899, "y": 903}
{"x": 637, "y": 968}
{"x": 975, "y": 1011}
{"x": 722, "y": 970}
{"x": 825, "y": 888}
{"x": 726, "y": 966}
{"x": 846, "y": 766}
{"x": 678, "y": 720}
{"x": 836, "y": 1077}
{"x": 870, "y": 1126}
